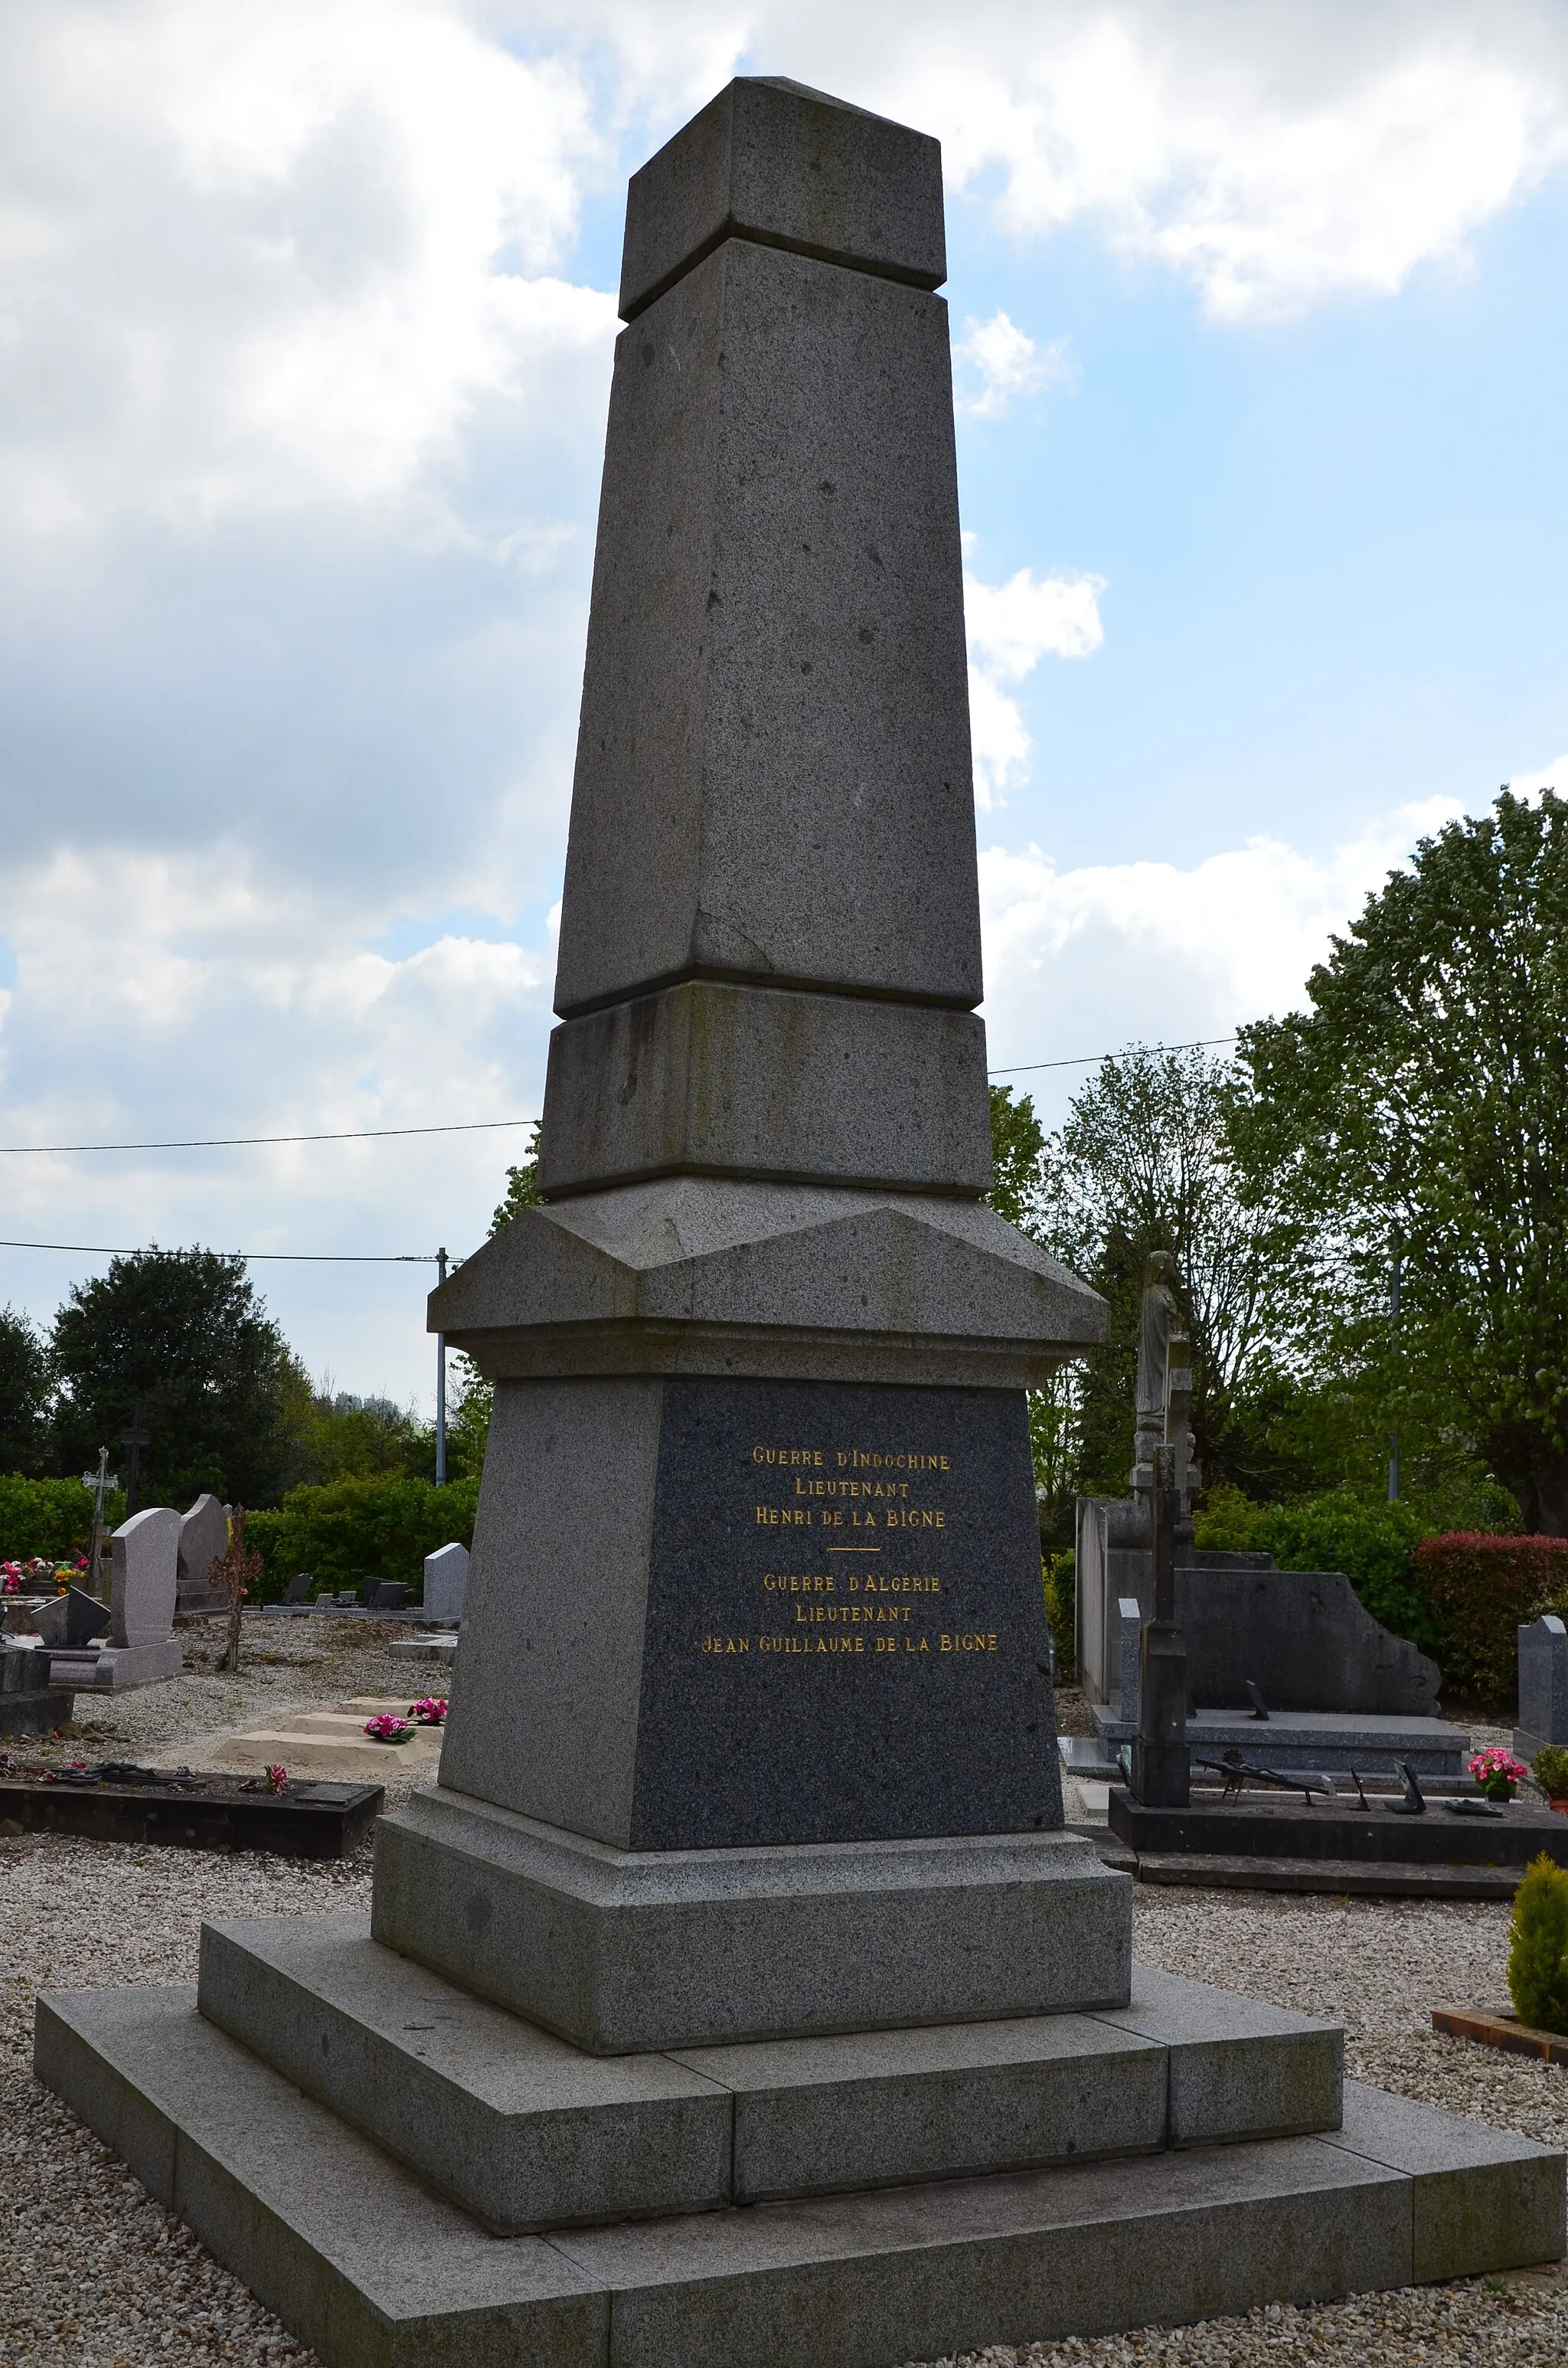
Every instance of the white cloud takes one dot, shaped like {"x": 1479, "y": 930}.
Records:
{"x": 1007, "y": 365}
{"x": 1273, "y": 156}
{"x": 1011, "y": 627}
{"x": 266, "y": 259}
{"x": 196, "y": 996}
{"x": 1082, "y": 961}
{"x": 1549, "y": 777}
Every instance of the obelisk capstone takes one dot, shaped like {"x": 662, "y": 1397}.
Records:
{"x": 755, "y": 1572}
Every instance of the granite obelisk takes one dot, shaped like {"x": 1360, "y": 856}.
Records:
{"x": 755, "y": 1565}
{"x": 751, "y": 1736}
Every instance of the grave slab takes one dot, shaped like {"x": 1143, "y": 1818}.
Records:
{"x": 1332, "y": 1741}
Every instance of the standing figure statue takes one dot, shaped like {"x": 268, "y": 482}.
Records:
{"x": 1164, "y": 1395}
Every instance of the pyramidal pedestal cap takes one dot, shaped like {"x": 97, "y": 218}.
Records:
{"x": 771, "y": 161}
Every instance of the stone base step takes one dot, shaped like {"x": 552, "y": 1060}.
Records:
{"x": 1343, "y": 1878}
{"x": 362, "y": 2263}
{"x": 527, "y": 2132}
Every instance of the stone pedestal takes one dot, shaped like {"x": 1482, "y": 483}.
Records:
{"x": 745, "y": 1880}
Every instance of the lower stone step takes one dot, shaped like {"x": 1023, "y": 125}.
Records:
{"x": 527, "y": 2132}
{"x": 363, "y": 2263}
{"x": 1343, "y": 1878}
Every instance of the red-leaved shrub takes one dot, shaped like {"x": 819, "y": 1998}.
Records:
{"x": 1476, "y": 1589}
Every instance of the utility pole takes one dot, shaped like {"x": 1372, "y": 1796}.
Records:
{"x": 1394, "y": 1435}
{"x": 441, "y": 1386}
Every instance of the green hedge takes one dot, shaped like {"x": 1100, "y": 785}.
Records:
{"x": 344, "y": 1531}
{"x": 49, "y": 1516}
{"x": 1372, "y": 1543}
{"x": 1475, "y": 1589}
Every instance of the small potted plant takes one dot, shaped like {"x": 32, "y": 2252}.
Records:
{"x": 1497, "y": 1772}
{"x": 385, "y": 1728}
{"x": 431, "y": 1711}
{"x": 1549, "y": 1770}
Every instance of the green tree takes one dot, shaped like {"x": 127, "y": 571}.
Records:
{"x": 1017, "y": 1152}
{"x": 182, "y": 1335}
{"x": 25, "y": 1395}
{"x": 472, "y": 1397}
{"x": 522, "y": 1184}
{"x": 1143, "y": 1163}
{"x": 1419, "y": 1109}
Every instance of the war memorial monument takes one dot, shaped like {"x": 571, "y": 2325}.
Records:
{"x": 736, "y": 1995}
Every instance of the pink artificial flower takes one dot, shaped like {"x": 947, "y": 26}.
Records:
{"x": 384, "y": 1729}
{"x": 430, "y": 1711}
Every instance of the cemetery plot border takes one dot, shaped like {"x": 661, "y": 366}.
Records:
{"x": 307, "y": 1821}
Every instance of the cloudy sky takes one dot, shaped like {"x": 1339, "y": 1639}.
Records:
{"x": 306, "y": 318}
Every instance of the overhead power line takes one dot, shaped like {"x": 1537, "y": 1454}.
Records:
{"x": 456, "y": 1126}
{"x": 1088, "y": 1060}
{"x": 227, "y": 1142}
{"x": 292, "y": 1258}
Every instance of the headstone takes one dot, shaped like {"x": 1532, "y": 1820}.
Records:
{"x": 299, "y": 1588}
{"x": 141, "y": 1649}
{"x": 203, "y": 1541}
{"x": 30, "y": 1702}
{"x": 1543, "y": 1686}
{"x": 386, "y": 1595}
{"x": 756, "y": 1569}
{"x": 446, "y": 1583}
{"x": 146, "y": 1578}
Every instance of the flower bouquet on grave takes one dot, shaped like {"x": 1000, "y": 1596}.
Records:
{"x": 384, "y": 1729}
{"x": 10, "y": 1579}
{"x": 1497, "y": 1772}
{"x": 429, "y": 1712}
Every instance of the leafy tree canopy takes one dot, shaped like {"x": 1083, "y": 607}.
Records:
{"x": 522, "y": 1184}
{"x": 182, "y": 1335}
{"x": 25, "y": 1392}
{"x": 1419, "y": 1110}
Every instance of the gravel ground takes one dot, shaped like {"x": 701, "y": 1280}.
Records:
{"x": 97, "y": 2276}
{"x": 285, "y": 1665}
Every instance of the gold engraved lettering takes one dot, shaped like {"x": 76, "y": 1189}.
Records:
{"x": 976, "y": 1644}
{"x": 788, "y": 1455}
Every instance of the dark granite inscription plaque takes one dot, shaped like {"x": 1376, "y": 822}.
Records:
{"x": 846, "y": 1629}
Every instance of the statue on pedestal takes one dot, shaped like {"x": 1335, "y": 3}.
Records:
{"x": 1164, "y": 1399}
